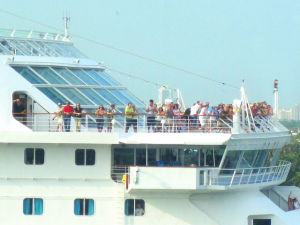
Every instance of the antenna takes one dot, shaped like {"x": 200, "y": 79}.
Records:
{"x": 67, "y": 23}
{"x": 275, "y": 98}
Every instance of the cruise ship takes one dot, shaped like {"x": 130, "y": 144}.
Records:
{"x": 226, "y": 175}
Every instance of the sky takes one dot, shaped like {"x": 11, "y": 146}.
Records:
{"x": 226, "y": 41}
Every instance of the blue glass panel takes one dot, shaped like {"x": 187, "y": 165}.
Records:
{"x": 97, "y": 77}
{"x": 75, "y": 96}
{"x": 27, "y": 206}
{"x": 108, "y": 78}
{"x": 52, "y": 94}
{"x": 109, "y": 97}
{"x": 84, "y": 77}
{"x": 38, "y": 206}
{"x": 91, "y": 207}
{"x": 125, "y": 98}
{"x": 92, "y": 95}
{"x": 70, "y": 77}
{"x": 131, "y": 97}
{"x": 49, "y": 75}
{"x": 77, "y": 207}
{"x": 29, "y": 75}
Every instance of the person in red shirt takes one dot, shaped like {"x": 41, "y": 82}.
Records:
{"x": 68, "y": 111}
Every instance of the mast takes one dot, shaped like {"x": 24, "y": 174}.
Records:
{"x": 67, "y": 24}
{"x": 275, "y": 98}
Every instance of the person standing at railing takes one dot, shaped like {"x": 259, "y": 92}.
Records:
{"x": 160, "y": 120}
{"x": 100, "y": 117}
{"x": 169, "y": 118}
{"x": 19, "y": 108}
{"x": 128, "y": 115}
{"x": 177, "y": 118}
{"x": 135, "y": 118}
{"x": 204, "y": 117}
{"x": 68, "y": 111}
{"x": 78, "y": 113}
{"x": 110, "y": 113}
{"x": 59, "y": 115}
{"x": 151, "y": 110}
{"x": 194, "y": 112}
{"x": 213, "y": 118}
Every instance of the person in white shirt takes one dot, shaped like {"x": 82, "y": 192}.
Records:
{"x": 139, "y": 211}
{"x": 194, "y": 112}
{"x": 203, "y": 117}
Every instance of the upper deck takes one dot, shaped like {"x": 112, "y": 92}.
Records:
{"x": 35, "y": 43}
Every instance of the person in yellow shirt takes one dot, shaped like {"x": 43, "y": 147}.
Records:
{"x": 129, "y": 113}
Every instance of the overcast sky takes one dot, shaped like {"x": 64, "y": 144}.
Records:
{"x": 221, "y": 40}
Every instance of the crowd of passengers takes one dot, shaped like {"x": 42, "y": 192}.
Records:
{"x": 164, "y": 118}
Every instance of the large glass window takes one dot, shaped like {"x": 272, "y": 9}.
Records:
{"x": 106, "y": 77}
{"x": 84, "y": 77}
{"x": 97, "y": 77}
{"x": 85, "y": 157}
{"x": 34, "y": 156}
{"x": 52, "y": 94}
{"x": 70, "y": 77}
{"x": 84, "y": 207}
{"x": 109, "y": 97}
{"x": 134, "y": 207}
{"x": 232, "y": 159}
{"x": 92, "y": 95}
{"x": 75, "y": 96}
{"x": 29, "y": 75}
{"x": 33, "y": 206}
{"x": 49, "y": 75}
{"x": 131, "y": 97}
{"x": 123, "y": 156}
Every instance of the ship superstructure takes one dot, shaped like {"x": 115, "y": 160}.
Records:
{"x": 212, "y": 176}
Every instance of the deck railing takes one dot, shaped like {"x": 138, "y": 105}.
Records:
{"x": 44, "y": 122}
{"x": 142, "y": 177}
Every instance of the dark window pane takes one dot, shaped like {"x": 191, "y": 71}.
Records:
{"x": 27, "y": 206}
{"x": 141, "y": 157}
{"x": 78, "y": 207}
{"x": 29, "y": 154}
{"x": 79, "y": 157}
{"x": 90, "y": 157}
{"x": 129, "y": 207}
{"x": 39, "y": 156}
{"x": 261, "y": 221}
{"x": 123, "y": 156}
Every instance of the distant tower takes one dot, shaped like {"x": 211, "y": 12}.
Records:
{"x": 67, "y": 24}
{"x": 275, "y": 98}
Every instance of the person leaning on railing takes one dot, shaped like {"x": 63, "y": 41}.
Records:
{"x": 19, "y": 109}
{"x": 77, "y": 113}
{"x": 128, "y": 114}
{"x": 100, "y": 117}
{"x": 135, "y": 118}
{"x": 68, "y": 112}
{"x": 59, "y": 115}
{"x": 110, "y": 114}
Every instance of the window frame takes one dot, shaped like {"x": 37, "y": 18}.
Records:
{"x": 34, "y": 160}
{"x": 83, "y": 206}
{"x": 33, "y": 206}
{"x": 134, "y": 206}
{"x": 85, "y": 157}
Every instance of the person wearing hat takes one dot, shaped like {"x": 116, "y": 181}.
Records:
{"x": 60, "y": 115}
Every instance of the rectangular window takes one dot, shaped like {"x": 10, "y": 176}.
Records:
{"x": 84, "y": 207}
{"x": 85, "y": 157}
{"x": 34, "y": 156}
{"x": 33, "y": 206}
{"x": 134, "y": 207}
{"x": 261, "y": 221}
